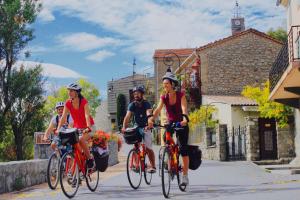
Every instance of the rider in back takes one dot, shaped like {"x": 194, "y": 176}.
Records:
{"x": 176, "y": 106}
{"x": 54, "y": 123}
{"x": 140, "y": 109}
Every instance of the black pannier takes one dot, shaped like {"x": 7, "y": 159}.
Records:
{"x": 132, "y": 136}
{"x": 101, "y": 160}
{"x": 195, "y": 156}
{"x": 69, "y": 136}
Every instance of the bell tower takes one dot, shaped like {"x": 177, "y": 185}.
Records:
{"x": 237, "y": 22}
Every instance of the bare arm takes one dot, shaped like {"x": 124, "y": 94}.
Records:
{"x": 184, "y": 110}
{"x": 48, "y": 131}
{"x": 87, "y": 115}
{"x": 126, "y": 119}
{"x": 155, "y": 114}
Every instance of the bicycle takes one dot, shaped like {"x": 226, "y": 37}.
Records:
{"x": 73, "y": 167}
{"x": 53, "y": 165}
{"x": 137, "y": 159}
{"x": 169, "y": 163}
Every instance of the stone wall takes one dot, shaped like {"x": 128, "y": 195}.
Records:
{"x": 245, "y": 60}
{"x": 21, "y": 174}
{"x": 217, "y": 151}
{"x": 252, "y": 139}
{"x": 285, "y": 142}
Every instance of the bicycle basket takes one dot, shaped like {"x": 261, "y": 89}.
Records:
{"x": 195, "y": 155}
{"x": 132, "y": 136}
{"x": 69, "y": 136}
{"x": 101, "y": 160}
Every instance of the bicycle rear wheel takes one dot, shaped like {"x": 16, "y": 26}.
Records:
{"x": 53, "y": 170}
{"x": 180, "y": 174}
{"x": 134, "y": 169}
{"x": 166, "y": 173}
{"x": 69, "y": 175}
{"x": 92, "y": 178}
{"x": 147, "y": 175}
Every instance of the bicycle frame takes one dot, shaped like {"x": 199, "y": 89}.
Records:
{"x": 174, "y": 152}
{"x": 140, "y": 154}
{"x": 79, "y": 159}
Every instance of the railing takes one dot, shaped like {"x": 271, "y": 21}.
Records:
{"x": 236, "y": 144}
{"x": 290, "y": 52}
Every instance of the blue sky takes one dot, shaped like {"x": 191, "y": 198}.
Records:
{"x": 98, "y": 39}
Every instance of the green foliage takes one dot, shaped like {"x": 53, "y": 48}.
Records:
{"x": 267, "y": 108}
{"x": 18, "y": 183}
{"x": 89, "y": 91}
{"x": 121, "y": 108}
{"x": 279, "y": 34}
{"x": 203, "y": 115}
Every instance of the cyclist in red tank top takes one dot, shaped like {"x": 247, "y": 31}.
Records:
{"x": 176, "y": 105}
{"x": 78, "y": 107}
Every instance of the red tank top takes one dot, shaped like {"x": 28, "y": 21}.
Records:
{"x": 174, "y": 112}
{"x": 78, "y": 115}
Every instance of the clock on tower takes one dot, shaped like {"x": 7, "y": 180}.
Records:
{"x": 237, "y": 22}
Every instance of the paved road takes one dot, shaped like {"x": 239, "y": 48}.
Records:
{"x": 213, "y": 180}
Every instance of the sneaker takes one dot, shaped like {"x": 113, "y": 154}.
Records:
{"x": 151, "y": 170}
{"x": 185, "y": 180}
{"x": 135, "y": 169}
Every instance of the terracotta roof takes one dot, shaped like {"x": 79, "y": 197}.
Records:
{"x": 231, "y": 100}
{"x": 159, "y": 53}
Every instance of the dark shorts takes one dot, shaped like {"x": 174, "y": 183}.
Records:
{"x": 182, "y": 139}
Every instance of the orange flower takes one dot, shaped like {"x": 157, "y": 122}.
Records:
{"x": 100, "y": 139}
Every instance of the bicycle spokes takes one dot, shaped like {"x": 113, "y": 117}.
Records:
{"x": 134, "y": 169}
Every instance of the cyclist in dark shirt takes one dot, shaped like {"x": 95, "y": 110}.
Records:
{"x": 140, "y": 109}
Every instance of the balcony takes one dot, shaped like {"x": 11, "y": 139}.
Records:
{"x": 285, "y": 73}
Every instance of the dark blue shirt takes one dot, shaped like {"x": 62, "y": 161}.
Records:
{"x": 139, "y": 112}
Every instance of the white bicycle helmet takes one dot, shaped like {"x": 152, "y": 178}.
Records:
{"x": 59, "y": 104}
{"x": 139, "y": 88}
{"x": 170, "y": 76}
{"x": 74, "y": 86}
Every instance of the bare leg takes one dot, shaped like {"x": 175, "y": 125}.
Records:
{"x": 151, "y": 157}
{"x": 185, "y": 160}
{"x": 83, "y": 144}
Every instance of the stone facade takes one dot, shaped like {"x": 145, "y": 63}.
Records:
{"x": 285, "y": 142}
{"x": 252, "y": 139}
{"x": 229, "y": 64}
{"x": 216, "y": 151}
{"x": 123, "y": 86}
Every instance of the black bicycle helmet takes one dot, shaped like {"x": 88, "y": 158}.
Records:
{"x": 170, "y": 76}
{"x": 139, "y": 88}
{"x": 74, "y": 86}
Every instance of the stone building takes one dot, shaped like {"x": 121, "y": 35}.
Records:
{"x": 124, "y": 86}
{"x": 224, "y": 68}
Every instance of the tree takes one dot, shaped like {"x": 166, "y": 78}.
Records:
{"x": 267, "y": 108}
{"x": 89, "y": 91}
{"x": 203, "y": 115}
{"x": 279, "y": 34}
{"x": 15, "y": 33}
{"x": 24, "y": 116}
{"x": 121, "y": 108}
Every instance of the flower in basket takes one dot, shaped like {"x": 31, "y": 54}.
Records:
{"x": 100, "y": 139}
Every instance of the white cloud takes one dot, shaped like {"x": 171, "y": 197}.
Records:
{"x": 51, "y": 70}
{"x": 100, "y": 56}
{"x": 169, "y": 24}
{"x": 85, "y": 41}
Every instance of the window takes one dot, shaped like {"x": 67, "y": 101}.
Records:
{"x": 211, "y": 137}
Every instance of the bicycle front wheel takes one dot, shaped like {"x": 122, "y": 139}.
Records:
{"x": 69, "y": 175}
{"x": 147, "y": 165}
{"x": 166, "y": 173}
{"x": 134, "y": 169}
{"x": 53, "y": 171}
{"x": 92, "y": 178}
